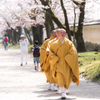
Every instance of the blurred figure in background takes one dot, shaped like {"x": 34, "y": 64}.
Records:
{"x": 36, "y": 54}
{"x": 24, "y": 48}
{"x": 5, "y": 41}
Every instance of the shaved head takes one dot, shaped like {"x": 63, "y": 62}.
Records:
{"x": 53, "y": 34}
{"x": 62, "y": 33}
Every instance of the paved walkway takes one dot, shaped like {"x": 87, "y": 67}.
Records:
{"x": 24, "y": 83}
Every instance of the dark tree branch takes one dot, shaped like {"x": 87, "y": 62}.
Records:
{"x": 44, "y": 2}
{"x": 79, "y": 33}
{"x": 81, "y": 17}
{"x": 36, "y": 2}
{"x": 55, "y": 18}
{"x": 51, "y": 13}
{"x": 79, "y": 3}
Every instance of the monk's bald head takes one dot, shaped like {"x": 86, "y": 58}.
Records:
{"x": 57, "y": 32}
{"x": 62, "y": 33}
{"x": 63, "y": 30}
{"x": 53, "y": 34}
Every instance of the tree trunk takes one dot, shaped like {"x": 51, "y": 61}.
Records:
{"x": 74, "y": 28}
{"x": 11, "y": 38}
{"x": 37, "y": 33}
{"x": 12, "y": 32}
{"x": 48, "y": 24}
{"x": 66, "y": 19}
{"x": 15, "y": 37}
{"x": 9, "y": 35}
{"x": 30, "y": 39}
{"x": 28, "y": 35}
{"x": 19, "y": 32}
{"x": 79, "y": 34}
{"x": 80, "y": 42}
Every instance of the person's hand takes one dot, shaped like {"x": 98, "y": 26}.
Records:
{"x": 47, "y": 53}
{"x": 58, "y": 59}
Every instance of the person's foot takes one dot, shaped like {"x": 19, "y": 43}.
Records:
{"x": 49, "y": 88}
{"x": 55, "y": 88}
{"x": 59, "y": 90}
{"x": 64, "y": 96}
{"x": 67, "y": 92}
{"x": 21, "y": 64}
{"x": 35, "y": 67}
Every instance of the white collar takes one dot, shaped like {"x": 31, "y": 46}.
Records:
{"x": 63, "y": 40}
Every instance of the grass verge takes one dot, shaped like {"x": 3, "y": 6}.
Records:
{"x": 0, "y": 40}
{"x": 89, "y": 65}
{"x": 16, "y": 46}
{"x": 30, "y": 48}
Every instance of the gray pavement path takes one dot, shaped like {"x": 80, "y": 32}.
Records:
{"x": 24, "y": 83}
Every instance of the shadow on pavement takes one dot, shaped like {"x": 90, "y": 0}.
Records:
{"x": 86, "y": 89}
{"x": 62, "y": 99}
{"x": 48, "y": 94}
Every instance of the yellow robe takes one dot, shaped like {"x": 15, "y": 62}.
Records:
{"x": 44, "y": 66}
{"x": 50, "y": 43}
{"x": 52, "y": 79}
{"x": 67, "y": 67}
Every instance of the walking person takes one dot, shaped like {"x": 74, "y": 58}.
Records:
{"x": 24, "y": 48}
{"x": 44, "y": 58}
{"x": 64, "y": 62}
{"x": 5, "y": 42}
{"x": 36, "y": 54}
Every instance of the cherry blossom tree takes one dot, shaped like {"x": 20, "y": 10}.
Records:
{"x": 16, "y": 13}
{"x": 51, "y": 13}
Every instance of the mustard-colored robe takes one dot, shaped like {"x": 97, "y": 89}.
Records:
{"x": 44, "y": 66}
{"x": 50, "y": 43}
{"x": 52, "y": 79}
{"x": 67, "y": 67}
